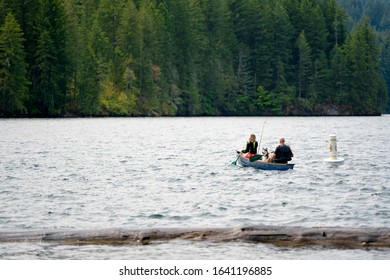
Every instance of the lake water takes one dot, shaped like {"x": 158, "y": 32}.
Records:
{"x": 142, "y": 173}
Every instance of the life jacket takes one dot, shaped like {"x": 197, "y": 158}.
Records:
{"x": 253, "y": 147}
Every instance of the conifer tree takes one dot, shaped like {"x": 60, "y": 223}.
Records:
{"x": 385, "y": 64}
{"x": 281, "y": 31}
{"x": 26, "y": 12}
{"x": 338, "y": 76}
{"x": 221, "y": 41}
{"x": 129, "y": 42}
{"x": 83, "y": 87}
{"x": 263, "y": 54}
{"x": 336, "y": 22}
{"x": 148, "y": 72}
{"x": 108, "y": 17}
{"x": 294, "y": 13}
{"x": 13, "y": 68}
{"x": 51, "y": 64}
{"x": 164, "y": 69}
{"x": 314, "y": 26}
{"x": 243, "y": 89}
{"x": 190, "y": 45}
{"x": 248, "y": 29}
{"x": 364, "y": 81}
{"x": 304, "y": 65}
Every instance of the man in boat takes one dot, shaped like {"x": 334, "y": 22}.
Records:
{"x": 282, "y": 153}
{"x": 251, "y": 147}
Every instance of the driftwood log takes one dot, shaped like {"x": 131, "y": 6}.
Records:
{"x": 281, "y": 236}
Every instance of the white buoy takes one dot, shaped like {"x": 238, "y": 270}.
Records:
{"x": 333, "y": 150}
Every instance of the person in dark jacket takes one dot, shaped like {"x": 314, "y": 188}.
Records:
{"x": 251, "y": 147}
{"x": 282, "y": 153}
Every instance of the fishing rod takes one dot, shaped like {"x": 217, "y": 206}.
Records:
{"x": 261, "y": 135}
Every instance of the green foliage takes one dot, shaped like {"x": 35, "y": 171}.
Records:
{"x": 196, "y": 57}
{"x": 268, "y": 103}
{"x": 13, "y": 69}
{"x": 116, "y": 102}
{"x": 363, "y": 67}
{"x": 377, "y": 11}
{"x": 304, "y": 65}
{"x": 51, "y": 61}
{"x": 336, "y": 21}
{"x": 385, "y": 64}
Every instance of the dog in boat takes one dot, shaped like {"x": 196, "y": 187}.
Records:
{"x": 265, "y": 153}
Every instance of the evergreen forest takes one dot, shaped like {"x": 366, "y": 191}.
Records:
{"x": 63, "y": 58}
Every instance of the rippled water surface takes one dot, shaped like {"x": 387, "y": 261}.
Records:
{"x": 177, "y": 172}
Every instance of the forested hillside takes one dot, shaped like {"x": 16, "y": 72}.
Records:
{"x": 379, "y": 13}
{"x": 189, "y": 57}
{"x": 377, "y": 10}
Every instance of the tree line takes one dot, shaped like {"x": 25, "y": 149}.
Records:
{"x": 188, "y": 58}
{"x": 379, "y": 13}
{"x": 377, "y": 10}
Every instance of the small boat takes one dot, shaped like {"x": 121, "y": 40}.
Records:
{"x": 264, "y": 165}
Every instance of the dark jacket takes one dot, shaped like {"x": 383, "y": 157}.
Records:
{"x": 283, "y": 154}
{"x": 251, "y": 147}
